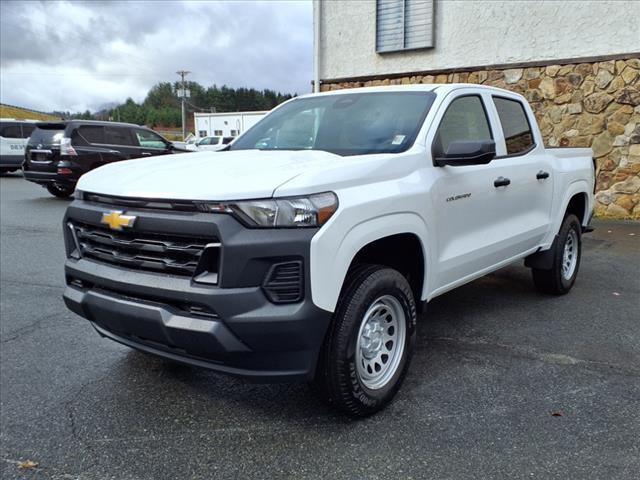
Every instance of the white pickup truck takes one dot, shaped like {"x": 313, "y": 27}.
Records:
{"x": 306, "y": 250}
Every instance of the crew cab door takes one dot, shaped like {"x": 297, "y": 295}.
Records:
{"x": 466, "y": 206}
{"x": 522, "y": 159}
{"x": 485, "y": 214}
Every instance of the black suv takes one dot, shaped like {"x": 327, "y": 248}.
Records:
{"x": 58, "y": 153}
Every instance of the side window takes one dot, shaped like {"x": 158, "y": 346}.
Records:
{"x": 11, "y": 130}
{"x": 118, "y": 136}
{"x": 517, "y": 131}
{"x": 227, "y": 140}
{"x": 92, "y": 134}
{"x": 205, "y": 141}
{"x": 27, "y": 130}
{"x": 465, "y": 119}
{"x": 149, "y": 139}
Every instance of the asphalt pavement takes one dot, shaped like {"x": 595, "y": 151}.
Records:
{"x": 505, "y": 383}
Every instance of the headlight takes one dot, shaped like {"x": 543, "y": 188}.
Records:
{"x": 291, "y": 212}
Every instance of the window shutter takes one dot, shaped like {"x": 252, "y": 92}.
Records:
{"x": 403, "y": 25}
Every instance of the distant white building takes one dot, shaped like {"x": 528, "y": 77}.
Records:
{"x": 229, "y": 124}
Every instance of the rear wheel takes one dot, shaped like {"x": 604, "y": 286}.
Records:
{"x": 60, "y": 191}
{"x": 368, "y": 349}
{"x": 567, "y": 250}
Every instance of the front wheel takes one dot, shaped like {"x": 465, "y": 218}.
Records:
{"x": 369, "y": 346}
{"x": 567, "y": 250}
{"x": 60, "y": 191}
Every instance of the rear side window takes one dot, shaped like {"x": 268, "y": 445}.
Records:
{"x": 92, "y": 134}
{"x": 515, "y": 125}
{"x": 118, "y": 136}
{"x": 465, "y": 119}
{"x": 11, "y": 130}
{"x": 227, "y": 140}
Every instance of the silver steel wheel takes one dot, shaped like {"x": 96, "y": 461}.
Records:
{"x": 381, "y": 341}
{"x": 570, "y": 255}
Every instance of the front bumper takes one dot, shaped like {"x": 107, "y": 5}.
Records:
{"x": 231, "y": 327}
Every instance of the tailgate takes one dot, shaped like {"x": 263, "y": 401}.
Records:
{"x": 43, "y": 149}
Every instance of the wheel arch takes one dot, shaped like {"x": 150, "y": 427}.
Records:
{"x": 366, "y": 243}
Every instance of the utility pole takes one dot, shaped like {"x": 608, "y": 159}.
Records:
{"x": 183, "y": 94}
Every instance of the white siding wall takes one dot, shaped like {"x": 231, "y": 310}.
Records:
{"x": 472, "y": 33}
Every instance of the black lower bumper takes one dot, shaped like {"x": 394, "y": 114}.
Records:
{"x": 233, "y": 329}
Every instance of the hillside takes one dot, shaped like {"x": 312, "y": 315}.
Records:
{"x": 9, "y": 111}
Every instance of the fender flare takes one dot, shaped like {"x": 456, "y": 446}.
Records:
{"x": 543, "y": 259}
{"x": 331, "y": 257}
{"x": 577, "y": 187}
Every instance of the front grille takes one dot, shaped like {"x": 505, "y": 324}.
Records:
{"x": 142, "y": 203}
{"x": 172, "y": 254}
{"x": 283, "y": 283}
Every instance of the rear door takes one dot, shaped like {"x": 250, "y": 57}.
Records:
{"x": 98, "y": 145}
{"x": 524, "y": 161}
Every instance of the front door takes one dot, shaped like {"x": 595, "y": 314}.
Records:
{"x": 151, "y": 143}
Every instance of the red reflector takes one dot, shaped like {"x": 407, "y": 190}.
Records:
{"x": 64, "y": 171}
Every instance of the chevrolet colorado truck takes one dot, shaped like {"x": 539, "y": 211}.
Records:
{"x": 306, "y": 250}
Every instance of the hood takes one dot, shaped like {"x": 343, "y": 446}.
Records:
{"x": 234, "y": 175}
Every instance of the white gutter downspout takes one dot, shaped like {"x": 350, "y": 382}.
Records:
{"x": 316, "y": 45}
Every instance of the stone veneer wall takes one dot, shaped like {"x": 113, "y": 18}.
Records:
{"x": 593, "y": 105}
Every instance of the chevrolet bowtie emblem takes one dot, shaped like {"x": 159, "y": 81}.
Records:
{"x": 116, "y": 220}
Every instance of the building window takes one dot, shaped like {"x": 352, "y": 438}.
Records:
{"x": 403, "y": 25}
{"x": 217, "y": 133}
{"x": 234, "y": 133}
{"x": 202, "y": 133}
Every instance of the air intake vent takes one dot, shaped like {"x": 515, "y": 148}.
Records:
{"x": 283, "y": 283}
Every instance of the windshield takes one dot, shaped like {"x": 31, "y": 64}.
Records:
{"x": 344, "y": 124}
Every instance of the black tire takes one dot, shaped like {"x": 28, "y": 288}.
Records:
{"x": 338, "y": 376}
{"x": 555, "y": 281}
{"x": 60, "y": 191}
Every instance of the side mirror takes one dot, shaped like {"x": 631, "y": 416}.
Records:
{"x": 467, "y": 152}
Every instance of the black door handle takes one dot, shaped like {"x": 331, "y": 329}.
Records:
{"x": 501, "y": 182}
{"x": 542, "y": 175}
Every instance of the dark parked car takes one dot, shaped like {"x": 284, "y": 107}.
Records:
{"x": 58, "y": 153}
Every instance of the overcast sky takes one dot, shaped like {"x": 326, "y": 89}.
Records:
{"x": 81, "y": 55}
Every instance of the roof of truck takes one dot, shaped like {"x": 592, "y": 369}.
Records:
{"x": 419, "y": 87}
